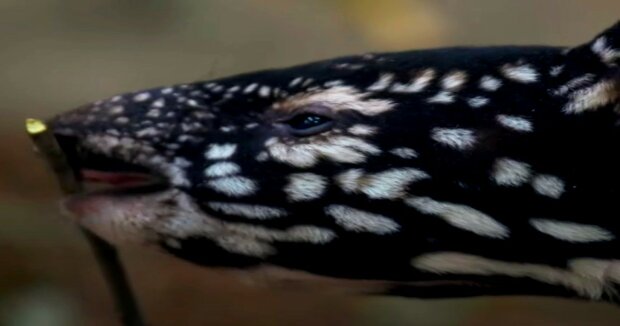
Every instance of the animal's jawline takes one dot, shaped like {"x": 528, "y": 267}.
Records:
{"x": 107, "y": 175}
{"x": 119, "y": 183}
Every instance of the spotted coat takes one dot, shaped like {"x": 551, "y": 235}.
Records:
{"x": 430, "y": 173}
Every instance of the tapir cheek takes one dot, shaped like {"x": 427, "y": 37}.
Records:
{"x": 116, "y": 219}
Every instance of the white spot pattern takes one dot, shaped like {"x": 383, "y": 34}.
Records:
{"x": 443, "y": 97}
{"x": 454, "y": 137}
{"x": 221, "y": 169}
{"x": 220, "y": 151}
{"x": 592, "y": 97}
{"x": 579, "y": 277}
{"x": 295, "y": 81}
{"x": 341, "y": 98}
{"x": 548, "y": 185}
{"x": 571, "y": 231}
{"x": 305, "y": 186}
{"x": 141, "y": 97}
{"x": 490, "y": 84}
{"x": 603, "y": 50}
{"x": 477, "y": 101}
{"x": 258, "y": 212}
{"x": 355, "y": 220}
{"x": 417, "y": 84}
{"x": 362, "y": 130}
{"x": 382, "y": 84}
{"x": 460, "y": 216}
{"x": 522, "y": 73}
{"x": 388, "y": 184}
{"x": 510, "y": 173}
{"x": 342, "y": 149}
{"x": 454, "y": 81}
{"x": 117, "y": 109}
{"x": 556, "y": 70}
{"x": 234, "y": 186}
{"x": 250, "y": 88}
{"x": 573, "y": 84}
{"x": 404, "y": 152}
{"x": 515, "y": 123}
{"x": 264, "y": 91}
{"x": 159, "y": 103}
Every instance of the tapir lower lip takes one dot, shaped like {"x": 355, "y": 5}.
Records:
{"x": 104, "y": 183}
{"x": 120, "y": 179}
{"x": 102, "y": 174}
{"x": 96, "y": 195}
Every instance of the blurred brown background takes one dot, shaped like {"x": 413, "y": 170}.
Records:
{"x": 57, "y": 54}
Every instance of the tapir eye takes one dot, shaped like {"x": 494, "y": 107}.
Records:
{"x": 306, "y": 124}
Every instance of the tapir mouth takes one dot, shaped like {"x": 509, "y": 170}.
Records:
{"x": 102, "y": 174}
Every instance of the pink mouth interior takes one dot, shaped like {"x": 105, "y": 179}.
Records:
{"x": 117, "y": 179}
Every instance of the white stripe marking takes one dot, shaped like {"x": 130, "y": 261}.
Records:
{"x": 295, "y": 82}
{"x": 221, "y": 169}
{"x": 258, "y": 212}
{"x": 570, "y": 231}
{"x": 385, "y": 80}
{"x": 234, "y": 186}
{"x": 577, "y": 277}
{"x": 477, "y": 101}
{"x": 573, "y": 84}
{"x": 250, "y": 88}
{"x": 417, "y": 84}
{"x": 460, "y": 216}
{"x": 404, "y": 152}
{"x": 389, "y": 184}
{"x": 454, "y": 81}
{"x": 515, "y": 123}
{"x": 592, "y": 97}
{"x": 522, "y": 73}
{"x": 360, "y": 221}
{"x": 602, "y": 49}
{"x": 443, "y": 97}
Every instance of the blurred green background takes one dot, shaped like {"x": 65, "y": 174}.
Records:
{"x": 58, "y": 54}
